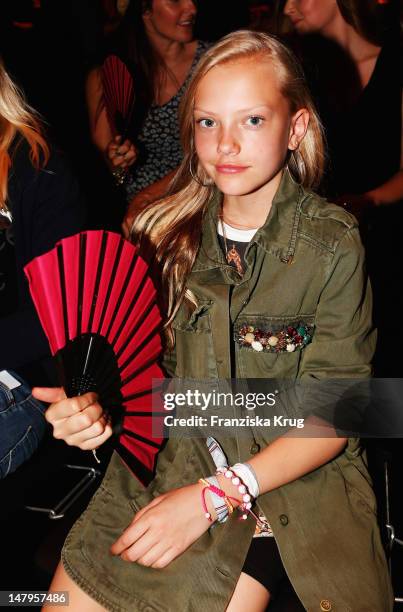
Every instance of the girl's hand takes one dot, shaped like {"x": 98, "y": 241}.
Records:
{"x": 79, "y": 421}
{"x": 165, "y": 528}
{"x": 120, "y": 155}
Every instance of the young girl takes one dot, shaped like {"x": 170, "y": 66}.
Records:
{"x": 253, "y": 147}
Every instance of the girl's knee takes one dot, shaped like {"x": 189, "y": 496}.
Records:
{"x": 249, "y": 595}
{"x": 78, "y": 600}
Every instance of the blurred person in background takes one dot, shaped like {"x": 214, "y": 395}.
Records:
{"x": 155, "y": 41}
{"x": 357, "y": 79}
{"x": 39, "y": 203}
{"x": 267, "y": 16}
{"x": 352, "y": 59}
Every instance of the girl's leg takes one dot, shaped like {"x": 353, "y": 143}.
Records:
{"x": 78, "y": 600}
{"x": 249, "y": 595}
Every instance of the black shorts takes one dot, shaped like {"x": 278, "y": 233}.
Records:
{"x": 263, "y": 563}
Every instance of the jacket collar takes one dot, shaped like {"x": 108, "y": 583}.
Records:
{"x": 277, "y": 236}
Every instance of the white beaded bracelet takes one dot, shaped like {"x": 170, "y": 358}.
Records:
{"x": 246, "y": 472}
{"x": 246, "y": 503}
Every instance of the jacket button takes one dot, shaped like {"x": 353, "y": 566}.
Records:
{"x": 255, "y": 448}
{"x": 325, "y": 605}
{"x": 283, "y": 519}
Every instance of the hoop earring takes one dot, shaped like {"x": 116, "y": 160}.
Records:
{"x": 196, "y": 178}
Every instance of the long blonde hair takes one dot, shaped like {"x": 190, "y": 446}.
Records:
{"x": 16, "y": 117}
{"x": 172, "y": 225}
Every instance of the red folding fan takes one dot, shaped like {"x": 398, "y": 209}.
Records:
{"x": 96, "y": 303}
{"x": 119, "y": 96}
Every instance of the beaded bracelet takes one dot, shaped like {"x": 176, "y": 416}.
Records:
{"x": 247, "y": 474}
{"x": 246, "y": 502}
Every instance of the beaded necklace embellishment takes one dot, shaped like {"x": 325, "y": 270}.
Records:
{"x": 284, "y": 340}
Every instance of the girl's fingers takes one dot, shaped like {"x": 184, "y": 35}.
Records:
{"x": 80, "y": 421}
{"x": 49, "y": 394}
{"x": 69, "y": 406}
{"x": 141, "y": 547}
{"x": 165, "y": 559}
{"x": 153, "y": 555}
{"x": 129, "y": 537}
{"x": 93, "y": 442}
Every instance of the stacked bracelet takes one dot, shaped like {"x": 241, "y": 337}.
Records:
{"x": 242, "y": 476}
{"x": 220, "y": 493}
{"x": 220, "y": 504}
{"x": 246, "y": 501}
{"x": 248, "y": 476}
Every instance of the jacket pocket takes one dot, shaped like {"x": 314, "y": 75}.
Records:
{"x": 197, "y": 321}
{"x": 195, "y": 355}
{"x": 272, "y": 346}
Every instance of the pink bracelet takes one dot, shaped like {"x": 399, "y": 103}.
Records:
{"x": 246, "y": 504}
{"x": 217, "y": 491}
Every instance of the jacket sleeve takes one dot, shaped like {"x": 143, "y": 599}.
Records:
{"x": 337, "y": 364}
{"x": 344, "y": 340}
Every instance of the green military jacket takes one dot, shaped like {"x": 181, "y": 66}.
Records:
{"x": 305, "y": 264}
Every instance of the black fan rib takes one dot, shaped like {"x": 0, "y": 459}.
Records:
{"x": 143, "y": 393}
{"x": 141, "y": 438}
{"x": 129, "y": 310}
{"x": 139, "y": 469}
{"x": 133, "y": 333}
{"x": 139, "y": 370}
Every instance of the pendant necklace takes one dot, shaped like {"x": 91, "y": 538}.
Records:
{"x": 232, "y": 255}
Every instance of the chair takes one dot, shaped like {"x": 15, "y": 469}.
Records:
{"x": 385, "y": 455}
{"x": 392, "y": 539}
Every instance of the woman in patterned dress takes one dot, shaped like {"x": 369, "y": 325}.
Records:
{"x": 155, "y": 40}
